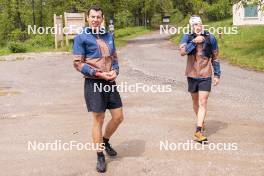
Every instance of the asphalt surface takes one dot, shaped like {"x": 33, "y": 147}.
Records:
{"x": 41, "y": 98}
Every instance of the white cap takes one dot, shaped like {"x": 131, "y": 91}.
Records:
{"x": 195, "y": 20}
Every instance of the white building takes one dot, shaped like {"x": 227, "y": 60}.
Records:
{"x": 249, "y": 14}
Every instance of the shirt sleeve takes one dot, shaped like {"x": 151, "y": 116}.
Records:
{"x": 78, "y": 62}
{"x": 115, "y": 64}
{"x": 78, "y": 48}
{"x": 213, "y": 42}
{"x": 186, "y": 47}
{"x": 215, "y": 59}
{"x": 184, "y": 39}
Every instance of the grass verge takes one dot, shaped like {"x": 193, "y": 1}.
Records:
{"x": 245, "y": 49}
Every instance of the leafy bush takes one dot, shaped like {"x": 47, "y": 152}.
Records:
{"x": 18, "y": 35}
{"x": 123, "y": 19}
{"x": 41, "y": 41}
{"x": 16, "y": 47}
{"x": 176, "y": 17}
{"x": 2, "y": 43}
{"x": 219, "y": 11}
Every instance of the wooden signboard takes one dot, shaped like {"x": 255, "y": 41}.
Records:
{"x": 73, "y": 23}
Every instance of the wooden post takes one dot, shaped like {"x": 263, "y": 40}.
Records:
{"x": 58, "y": 30}
{"x": 55, "y": 36}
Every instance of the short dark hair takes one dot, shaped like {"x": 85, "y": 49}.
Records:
{"x": 96, "y": 8}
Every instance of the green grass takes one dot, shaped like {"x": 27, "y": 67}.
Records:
{"x": 245, "y": 49}
{"x": 122, "y": 35}
{"x": 42, "y": 43}
{"x": 4, "y": 51}
{"x": 37, "y": 43}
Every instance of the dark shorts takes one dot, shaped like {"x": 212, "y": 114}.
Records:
{"x": 195, "y": 85}
{"x": 101, "y": 95}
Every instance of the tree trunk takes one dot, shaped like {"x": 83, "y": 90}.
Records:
{"x": 18, "y": 21}
{"x": 33, "y": 12}
{"x": 41, "y": 13}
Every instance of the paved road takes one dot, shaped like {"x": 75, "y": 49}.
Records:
{"x": 41, "y": 98}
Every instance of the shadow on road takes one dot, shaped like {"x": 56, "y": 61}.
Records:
{"x": 212, "y": 126}
{"x": 132, "y": 148}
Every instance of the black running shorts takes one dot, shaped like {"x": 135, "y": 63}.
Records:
{"x": 101, "y": 95}
{"x": 195, "y": 85}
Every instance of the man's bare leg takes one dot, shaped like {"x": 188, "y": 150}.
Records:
{"x": 98, "y": 121}
{"x": 195, "y": 99}
{"x": 203, "y": 97}
{"x": 112, "y": 125}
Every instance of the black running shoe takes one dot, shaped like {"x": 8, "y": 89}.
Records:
{"x": 109, "y": 150}
{"x": 101, "y": 164}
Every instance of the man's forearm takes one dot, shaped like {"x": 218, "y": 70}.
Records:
{"x": 217, "y": 68}
{"x": 187, "y": 48}
{"x": 115, "y": 64}
{"x": 190, "y": 47}
{"x": 87, "y": 70}
{"x": 82, "y": 67}
{"x": 115, "y": 67}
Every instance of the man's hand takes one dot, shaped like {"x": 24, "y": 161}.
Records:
{"x": 108, "y": 76}
{"x": 103, "y": 75}
{"x": 199, "y": 39}
{"x": 216, "y": 81}
{"x": 112, "y": 75}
